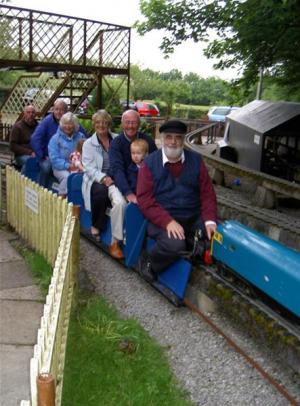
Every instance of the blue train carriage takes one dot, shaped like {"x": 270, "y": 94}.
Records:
{"x": 172, "y": 282}
{"x": 32, "y": 171}
{"x": 268, "y": 265}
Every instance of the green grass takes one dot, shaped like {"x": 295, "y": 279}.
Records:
{"x": 192, "y": 107}
{"x": 190, "y": 111}
{"x": 111, "y": 361}
{"x": 40, "y": 269}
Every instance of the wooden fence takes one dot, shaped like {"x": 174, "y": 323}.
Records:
{"x": 36, "y": 214}
{"x": 4, "y": 132}
{"x": 47, "y": 364}
{"x": 48, "y": 223}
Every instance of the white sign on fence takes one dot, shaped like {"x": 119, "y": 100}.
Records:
{"x": 31, "y": 199}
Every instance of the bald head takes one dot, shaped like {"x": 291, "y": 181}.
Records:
{"x": 130, "y": 123}
{"x": 130, "y": 114}
{"x": 59, "y": 109}
{"x": 29, "y": 114}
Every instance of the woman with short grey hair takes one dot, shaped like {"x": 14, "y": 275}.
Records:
{"x": 98, "y": 187}
{"x": 60, "y": 147}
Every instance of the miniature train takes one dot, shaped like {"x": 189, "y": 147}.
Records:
{"x": 264, "y": 263}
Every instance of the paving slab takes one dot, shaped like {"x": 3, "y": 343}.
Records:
{"x": 8, "y": 253}
{"x": 32, "y": 293}
{"x": 14, "y": 274}
{"x": 14, "y": 377}
{"x": 19, "y": 321}
{"x": 7, "y": 235}
{"x": 21, "y": 307}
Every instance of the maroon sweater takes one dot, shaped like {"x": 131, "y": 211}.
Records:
{"x": 155, "y": 213}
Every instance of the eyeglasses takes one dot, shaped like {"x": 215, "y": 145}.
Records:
{"x": 131, "y": 122}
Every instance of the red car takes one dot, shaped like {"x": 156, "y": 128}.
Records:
{"x": 147, "y": 109}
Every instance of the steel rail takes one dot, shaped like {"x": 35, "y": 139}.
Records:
{"x": 282, "y": 221}
{"x": 254, "y": 364}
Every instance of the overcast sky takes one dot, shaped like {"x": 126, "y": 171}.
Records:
{"x": 144, "y": 50}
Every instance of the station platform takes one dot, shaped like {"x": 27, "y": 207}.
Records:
{"x": 21, "y": 307}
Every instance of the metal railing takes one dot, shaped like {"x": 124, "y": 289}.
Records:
{"x": 34, "y": 38}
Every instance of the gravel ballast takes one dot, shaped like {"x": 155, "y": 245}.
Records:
{"x": 205, "y": 365}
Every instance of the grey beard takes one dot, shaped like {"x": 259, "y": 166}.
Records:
{"x": 173, "y": 153}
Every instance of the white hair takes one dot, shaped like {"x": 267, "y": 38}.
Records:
{"x": 69, "y": 118}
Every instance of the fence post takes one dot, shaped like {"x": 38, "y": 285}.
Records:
{"x": 46, "y": 390}
{"x": 55, "y": 220}
{"x": 75, "y": 250}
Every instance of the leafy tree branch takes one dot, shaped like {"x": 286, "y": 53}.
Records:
{"x": 247, "y": 35}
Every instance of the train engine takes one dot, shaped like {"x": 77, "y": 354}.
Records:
{"x": 270, "y": 267}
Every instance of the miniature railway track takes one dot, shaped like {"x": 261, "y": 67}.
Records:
{"x": 272, "y": 217}
{"x": 257, "y": 314}
{"x": 269, "y": 378}
{"x": 283, "y": 223}
{"x": 279, "y": 226}
{"x": 272, "y": 183}
{"x": 291, "y": 326}
{"x": 241, "y": 206}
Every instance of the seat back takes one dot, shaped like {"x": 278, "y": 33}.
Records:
{"x": 32, "y": 169}
{"x": 135, "y": 226}
{"x": 75, "y": 197}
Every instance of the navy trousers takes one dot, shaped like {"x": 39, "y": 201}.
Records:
{"x": 167, "y": 250}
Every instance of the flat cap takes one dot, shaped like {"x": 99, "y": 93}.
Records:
{"x": 173, "y": 126}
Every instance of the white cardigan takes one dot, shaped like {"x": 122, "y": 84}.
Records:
{"x": 92, "y": 160}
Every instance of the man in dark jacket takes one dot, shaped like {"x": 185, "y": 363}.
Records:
{"x": 42, "y": 135}
{"x": 176, "y": 195}
{"x": 119, "y": 152}
{"x": 20, "y": 137}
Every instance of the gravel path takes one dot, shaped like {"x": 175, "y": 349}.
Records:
{"x": 211, "y": 372}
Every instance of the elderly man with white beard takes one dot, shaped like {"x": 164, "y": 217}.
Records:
{"x": 176, "y": 195}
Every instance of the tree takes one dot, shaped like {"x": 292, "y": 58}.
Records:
{"x": 172, "y": 87}
{"x": 251, "y": 34}
{"x": 174, "y": 74}
{"x": 145, "y": 84}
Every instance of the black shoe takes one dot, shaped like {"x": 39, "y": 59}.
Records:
{"x": 145, "y": 270}
{"x": 147, "y": 273}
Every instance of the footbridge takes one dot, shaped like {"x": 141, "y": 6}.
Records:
{"x": 60, "y": 56}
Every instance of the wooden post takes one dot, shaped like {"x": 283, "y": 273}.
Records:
{"x": 218, "y": 176}
{"x": 264, "y": 198}
{"x": 76, "y": 211}
{"x": 46, "y": 390}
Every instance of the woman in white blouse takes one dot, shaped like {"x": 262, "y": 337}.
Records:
{"x": 98, "y": 189}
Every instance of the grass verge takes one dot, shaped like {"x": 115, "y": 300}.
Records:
{"x": 109, "y": 361}
{"x": 40, "y": 269}
{"x": 112, "y": 361}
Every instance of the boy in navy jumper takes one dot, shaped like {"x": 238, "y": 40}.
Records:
{"x": 138, "y": 149}
{"x": 176, "y": 195}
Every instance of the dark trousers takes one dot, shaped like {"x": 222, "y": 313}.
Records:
{"x": 45, "y": 173}
{"x": 167, "y": 250}
{"x": 99, "y": 204}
